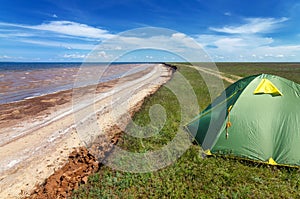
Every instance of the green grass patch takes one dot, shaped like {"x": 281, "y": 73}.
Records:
{"x": 190, "y": 176}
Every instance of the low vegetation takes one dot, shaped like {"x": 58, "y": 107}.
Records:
{"x": 290, "y": 71}
{"x": 191, "y": 176}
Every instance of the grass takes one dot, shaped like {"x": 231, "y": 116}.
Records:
{"x": 290, "y": 71}
{"x": 191, "y": 176}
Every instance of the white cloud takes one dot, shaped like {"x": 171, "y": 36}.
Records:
{"x": 227, "y": 14}
{"x": 54, "y": 16}
{"x": 62, "y": 34}
{"x": 247, "y": 43}
{"x": 67, "y": 45}
{"x": 178, "y": 36}
{"x": 103, "y": 54}
{"x": 247, "y": 48}
{"x": 73, "y": 29}
{"x": 149, "y": 57}
{"x": 233, "y": 42}
{"x": 74, "y": 56}
{"x": 230, "y": 42}
{"x": 177, "y": 42}
{"x": 12, "y": 58}
{"x": 252, "y": 26}
{"x": 168, "y": 41}
{"x": 66, "y": 28}
{"x": 240, "y": 44}
{"x": 10, "y": 34}
{"x": 99, "y": 55}
{"x": 5, "y": 57}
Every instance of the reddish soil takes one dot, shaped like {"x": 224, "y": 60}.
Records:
{"x": 60, "y": 185}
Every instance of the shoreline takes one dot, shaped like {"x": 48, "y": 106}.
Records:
{"x": 30, "y": 83}
{"x": 67, "y": 140}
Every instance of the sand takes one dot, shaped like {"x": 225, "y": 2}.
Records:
{"x": 38, "y": 134}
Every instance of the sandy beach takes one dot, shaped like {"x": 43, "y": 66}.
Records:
{"x": 38, "y": 134}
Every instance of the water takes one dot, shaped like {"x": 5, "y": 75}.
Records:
{"x": 19, "y": 66}
{"x": 19, "y": 81}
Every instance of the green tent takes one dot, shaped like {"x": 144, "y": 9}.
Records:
{"x": 257, "y": 118}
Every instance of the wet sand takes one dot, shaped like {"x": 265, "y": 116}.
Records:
{"x": 40, "y": 133}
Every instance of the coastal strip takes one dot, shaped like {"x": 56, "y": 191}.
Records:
{"x": 45, "y": 132}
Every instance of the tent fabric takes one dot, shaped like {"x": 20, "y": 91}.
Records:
{"x": 262, "y": 123}
{"x": 212, "y": 118}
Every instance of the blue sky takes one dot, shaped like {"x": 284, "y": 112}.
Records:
{"x": 228, "y": 30}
